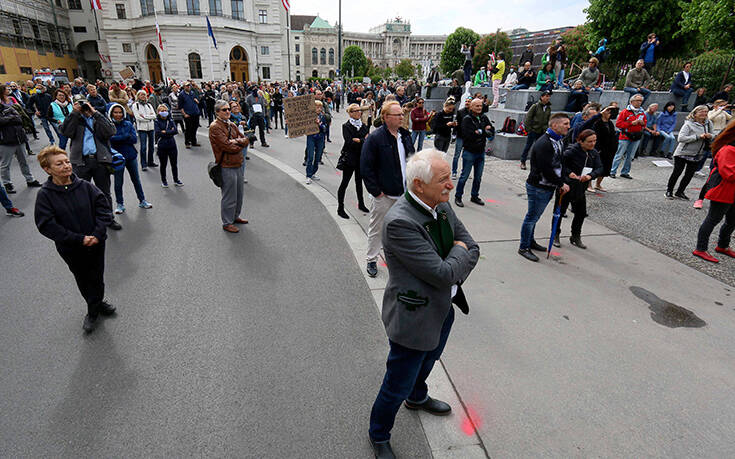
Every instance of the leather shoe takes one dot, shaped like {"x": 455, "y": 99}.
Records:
{"x": 115, "y": 226}
{"x": 241, "y": 221}
{"x": 231, "y": 228}
{"x": 477, "y": 201}
{"x": 106, "y": 309}
{"x": 458, "y": 202}
{"x": 433, "y": 406}
{"x": 89, "y": 324}
{"x": 527, "y": 254}
{"x": 382, "y": 450}
{"x": 372, "y": 268}
{"x": 538, "y": 247}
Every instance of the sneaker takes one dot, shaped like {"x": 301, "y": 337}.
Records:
{"x": 9, "y": 188}
{"x": 701, "y": 174}
{"x": 244, "y": 180}
{"x": 33, "y": 184}
{"x": 682, "y": 196}
{"x": 698, "y": 204}
{"x": 14, "y": 212}
{"x": 523, "y": 166}
{"x": 119, "y": 209}
{"x": 308, "y": 180}
{"x": 372, "y": 268}
{"x": 145, "y": 204}
{"x": 164, "y": 185}
{"x": 144, "y": 169}
{"x": 612, "y": 176}
{"x": 178, "y": 183}
{"x": 669, "y": 195}
{"x": 315, "y": 177}
{"x": 528, "y": 255}
{"x": 90, "y": 323}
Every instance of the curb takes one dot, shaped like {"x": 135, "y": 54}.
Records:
{"x": 455, "y": 439}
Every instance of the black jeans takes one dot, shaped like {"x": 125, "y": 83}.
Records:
{"x": 680, "y": 164}
{"x": 578, "y": 202}
{"x": 442, "y": 143}
{"x": 88, "y": 266}
{"x": 277, "y": 113}
{"x": 258, "y": 120}
{"x": 190, "y": 134}
{"x": 164, "y": 156}
{"x": 346, "y": 176}
{"x": 717, "y": 210}
{"x": 91, "y": 170}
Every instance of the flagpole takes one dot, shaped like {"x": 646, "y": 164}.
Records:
{"x": 160, "y": 38}
{"x": 211, "y": 62}
{"x": 288, "y": 41}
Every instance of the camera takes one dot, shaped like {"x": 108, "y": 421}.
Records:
{"x": 614, "y": 112}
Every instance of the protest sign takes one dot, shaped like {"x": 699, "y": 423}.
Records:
{"x": 300, "y": 114}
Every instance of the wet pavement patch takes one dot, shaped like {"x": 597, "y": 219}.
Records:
{"x": 566, "y": 317}
{"x": 718, "y": 303}
{"x": 666, "y": 313}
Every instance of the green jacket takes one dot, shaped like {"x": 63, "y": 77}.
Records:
{"x": 537, "y": 118}
{"x": 541, "y": 78}
{"x": 480, "y": 77}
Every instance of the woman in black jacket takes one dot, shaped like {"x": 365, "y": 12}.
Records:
{"x": 607, "y": 139}
{"x": 580, "y": 164}
{"x": 75, "y": 215}
{"x": 354, "y": 133}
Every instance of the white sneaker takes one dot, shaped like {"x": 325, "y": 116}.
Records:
{"x": 119, "y": 209}
{"x": 285, "y": 136}
{"x": 308, "y": 181}
{"x": 244, "y": 180}
{"x": 315, "y": 177}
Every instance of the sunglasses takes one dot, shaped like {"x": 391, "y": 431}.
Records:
{"x": 224, "y": 109}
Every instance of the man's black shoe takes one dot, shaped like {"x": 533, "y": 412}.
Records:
{"x": 106, "y": 309}
{"x": 115, "y": 226}
{"x": 264, "y": 145}
{"x": 681, "y": 195}
{"x": 196, "y": 144}
{"x": 382, "y": 450}
{"x": 372, "y": 268}
{"x": 669, "y": 195}
{"x": 89, "y": 324}
{"x": 612, "y": 176}
{"x": 9, "y": 188}
{"x": 304, "y": 163}
{"x": 527, "y": 254}
{"x": 458, "y": 202}
{"x": 536, "y": 246}
{"x": 248, "y": 158}
{"x": 152, "y": 165}
{"x": 33, "y": 184}
{"x": 477, "y": 201}
{"x": 577, "y": 240}
{"x": 433, "y": 406}
{"x": 626, "y": 176}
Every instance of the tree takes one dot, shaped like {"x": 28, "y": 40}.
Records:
{"x": 405, "y": 69}
{"x": 579, "y": 44}
{"x": 486, "y": 45}
{"x": 452, "y": 58}
{"x": 354, "y": 58}
{"x": 387, "y": 73}
{"x": 626, "y": 23}
{"x": 713, "y": 20}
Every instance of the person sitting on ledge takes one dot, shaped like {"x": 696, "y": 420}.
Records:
{"x": 526, "y": 77}
{"x": 591, "y": 75}
{"x": 545, "y": 78}
{"x": 637, "y": 81}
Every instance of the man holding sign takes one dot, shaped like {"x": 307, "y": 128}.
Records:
{"x": 256, "y": 107}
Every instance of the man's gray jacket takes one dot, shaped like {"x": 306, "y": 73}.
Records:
{"x": 418, "y": 295}
{"x": 74, "y": 127}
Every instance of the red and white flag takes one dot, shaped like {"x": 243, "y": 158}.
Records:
{"x": 286, "y": 4}
{"x": 96, "y": 4}
{"x": 158, "y": 32}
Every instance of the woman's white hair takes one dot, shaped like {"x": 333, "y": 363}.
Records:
{"x": 419, "y": 166}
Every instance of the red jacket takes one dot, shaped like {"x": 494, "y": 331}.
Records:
{"x": 625, "y": 118}
{"x": 722, "y": 177}
{"x": 419, "y": 117}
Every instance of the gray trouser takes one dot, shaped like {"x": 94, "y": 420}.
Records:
{"x": 232, "y": 193}
{"x": 380, "y": 207}
{"x": 6, "y": 157}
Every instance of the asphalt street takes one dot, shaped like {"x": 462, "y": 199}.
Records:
{"x": 265, "y": 343}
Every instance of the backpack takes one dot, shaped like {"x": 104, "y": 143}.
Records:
{"x": 521, "y": 129}
{"x": 509, "y": 125}
{"x": 531, "y": 101}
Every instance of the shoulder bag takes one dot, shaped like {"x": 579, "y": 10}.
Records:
{"x": 214, "y": 169}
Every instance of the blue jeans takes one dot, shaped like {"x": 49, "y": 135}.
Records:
{"x": 669, "y": 142}
{"x": 62, "y": 139}
{"x": 314, "y": 150}
{"x": 458, "y": 145}
{"x": 146, "y": 148}
{"x": 244, "y": 161}
{"x": 642, "y": 91}
{"x": 538, "y": 199}
{"x": 560, "y": 79}
{"x": 627, "y": 149}
{"x": 47, "y": 128}
{"x": 519, "y": 86}
{"x": 4, "y": 199}
{"x": 470, "y": 160}
{"x": 684, "y": 94}
{"x": 405, "y": 379}
{"x": 132, "y": 166}
{"x": 649, "y": 138}
{"x": 421, "y": 135}
{"x": 530, "y": 140}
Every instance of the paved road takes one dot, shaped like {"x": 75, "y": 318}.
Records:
{"x": 261, "y": 344}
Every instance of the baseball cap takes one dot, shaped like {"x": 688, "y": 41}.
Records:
{"x": 79, "y": 98}
{"x": 546, "y": 93}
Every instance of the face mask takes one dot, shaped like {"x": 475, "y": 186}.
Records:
{"x": 163, "y": 114}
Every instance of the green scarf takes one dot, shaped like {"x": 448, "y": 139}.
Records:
{"x": 439, "y": 229}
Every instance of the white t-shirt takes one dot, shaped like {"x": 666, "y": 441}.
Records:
{"x": 402, "y": 159}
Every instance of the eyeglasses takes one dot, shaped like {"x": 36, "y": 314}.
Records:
{"x": 224, "y": 109}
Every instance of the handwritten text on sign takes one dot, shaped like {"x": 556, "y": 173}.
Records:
{"x": 300, "y": 113}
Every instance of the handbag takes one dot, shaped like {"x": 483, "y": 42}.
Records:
{"x": 342, "y": 161}
{"x": 633, "y": 136}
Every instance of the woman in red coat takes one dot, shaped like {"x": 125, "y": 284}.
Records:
{"x": 721, "y": 194}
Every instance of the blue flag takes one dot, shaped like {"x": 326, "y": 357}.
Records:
{"x": 211, "y": 33}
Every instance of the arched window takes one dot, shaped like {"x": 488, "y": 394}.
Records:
{"x": 314, "y": 58}
{"x": 331, "y": 56}
{"x": 195, "y": 66}
{"x": 314, "y": 73}
{"x": 323, "y": 56}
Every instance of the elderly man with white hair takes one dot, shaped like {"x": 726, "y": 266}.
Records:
{"x": 429, "y": 254}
